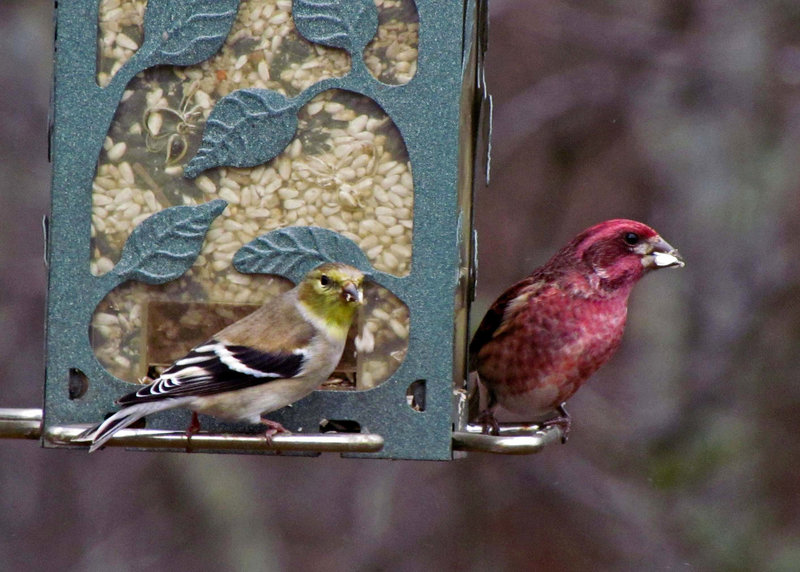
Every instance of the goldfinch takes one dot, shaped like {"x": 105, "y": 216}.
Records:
{"x": 265, "y": 361}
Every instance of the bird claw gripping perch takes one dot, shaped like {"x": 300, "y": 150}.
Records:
{"x": 564, "y": 421}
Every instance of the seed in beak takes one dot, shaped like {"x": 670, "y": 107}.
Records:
{"x": 665, "y": 259}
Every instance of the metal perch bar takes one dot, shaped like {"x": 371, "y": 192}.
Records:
{"x": 513, "y": 439}
{"x": 20, "y": 423}
{"x": 159, "y": 439}
{"x": 26, "y": 424}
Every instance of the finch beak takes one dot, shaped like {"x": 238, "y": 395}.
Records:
{"x": 660, "y": 254}
{"x": 352, "y": 293}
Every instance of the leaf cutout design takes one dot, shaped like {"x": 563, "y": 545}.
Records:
{"x": 165, "y": 245}
{"x": 293, "y": 251}
{"x": 246, "y": 128}
{"x": 186, "y": 32}
{"x": 345, "y": 24}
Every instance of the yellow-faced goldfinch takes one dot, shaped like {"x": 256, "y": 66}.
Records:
{"x": 265, "y": 361}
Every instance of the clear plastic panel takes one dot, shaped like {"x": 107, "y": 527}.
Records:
{"x": 346, "y": 170}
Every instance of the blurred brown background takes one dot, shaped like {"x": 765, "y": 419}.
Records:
{"x": 684, "y": 454}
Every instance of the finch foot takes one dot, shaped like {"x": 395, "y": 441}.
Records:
{"x": 489, "y": 422}
{"x": 194, "y": 427}
{"x": 564, "y": 421}
{"x": 273, "y": 428}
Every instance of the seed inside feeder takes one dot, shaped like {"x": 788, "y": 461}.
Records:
{"x": 347, "y": 161}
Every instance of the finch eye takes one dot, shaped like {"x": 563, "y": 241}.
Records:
{"x": 325, "y": 280}
{"x": 631, "y": 238}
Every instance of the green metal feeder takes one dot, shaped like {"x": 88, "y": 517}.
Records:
{"x": 206, "y": 154}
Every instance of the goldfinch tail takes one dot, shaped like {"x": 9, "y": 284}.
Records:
{"x": 123, "y": 418}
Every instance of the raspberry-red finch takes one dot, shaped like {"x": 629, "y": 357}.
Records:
{"x": 544, "y": 336}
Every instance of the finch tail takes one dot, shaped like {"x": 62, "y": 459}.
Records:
{"x": 474, "y": 398}
{"x": 123, "y": 418}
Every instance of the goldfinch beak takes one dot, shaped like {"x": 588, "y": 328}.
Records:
{"x": 661, "y": 254}
{"x": 352, "y": 293}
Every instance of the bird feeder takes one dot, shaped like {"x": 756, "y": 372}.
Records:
{"x": 207, "y": 154}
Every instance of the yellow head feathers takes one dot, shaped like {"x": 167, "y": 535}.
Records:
{"x": 333, "y": 292}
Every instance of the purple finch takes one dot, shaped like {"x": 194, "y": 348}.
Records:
{"x": 547, "y": 334}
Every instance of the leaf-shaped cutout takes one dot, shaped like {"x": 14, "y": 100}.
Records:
{"x": 346, "y": 24}
{"x": 246, "y": 128}
{"x": 186, "y": 32}
{"x": 293, "y": 251}
{"x": 166, "y": 244}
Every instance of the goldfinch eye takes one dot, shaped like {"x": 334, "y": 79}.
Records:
{"x": 631, "y": 238}
{"x": 325, "y": 280}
